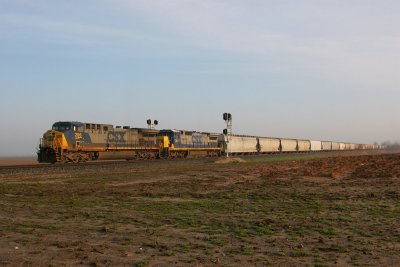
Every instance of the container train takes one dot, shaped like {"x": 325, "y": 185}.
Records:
{"x": 71, "y": 141}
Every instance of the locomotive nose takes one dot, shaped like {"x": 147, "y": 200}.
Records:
{"x": 51, "y": 146}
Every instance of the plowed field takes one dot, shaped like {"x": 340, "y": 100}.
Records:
{"x": 330, "y": 211}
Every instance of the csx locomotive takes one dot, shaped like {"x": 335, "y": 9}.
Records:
{"x": 80, "y": 142}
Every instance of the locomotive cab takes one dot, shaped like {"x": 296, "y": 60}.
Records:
{"x": 57, "y": 140}
{"x": 67, "y": 126}
{"x": 169, "y": 138}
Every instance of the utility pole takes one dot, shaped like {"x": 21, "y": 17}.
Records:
{"x": 228, "y": 130}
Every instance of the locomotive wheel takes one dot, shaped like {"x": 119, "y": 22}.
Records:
{"x": 84, "y": 157}
{"x": 75, "y": 159}
{"x": 63, "y": 160}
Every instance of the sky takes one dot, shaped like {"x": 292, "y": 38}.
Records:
{"x": 314, "y": 69}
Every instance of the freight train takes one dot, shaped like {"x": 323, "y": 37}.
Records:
{"x": 71, "y": 141}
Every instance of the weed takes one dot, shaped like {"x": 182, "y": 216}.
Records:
{"x": 328, "y": 231}
{"x": 299, "y": 253}
{"x": 141, "y": 264}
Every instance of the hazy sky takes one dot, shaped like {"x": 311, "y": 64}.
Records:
{"x": 314, "y": 69}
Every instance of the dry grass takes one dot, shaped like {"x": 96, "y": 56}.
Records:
{"x": 318, "y": 212}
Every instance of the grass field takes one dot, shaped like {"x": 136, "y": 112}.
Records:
{"x": 294, "y": 210}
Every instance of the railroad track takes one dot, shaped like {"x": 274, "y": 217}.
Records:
{"x": 68, "y": 165}
{"x": 92, "y": 163}
{"x": 124, "y": 162}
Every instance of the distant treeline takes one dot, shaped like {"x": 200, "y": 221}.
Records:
{"x": 391, "y": 145}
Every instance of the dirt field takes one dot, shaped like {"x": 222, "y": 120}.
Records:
{"x": 289, "y": 211}
{"x": 5, "y": 161}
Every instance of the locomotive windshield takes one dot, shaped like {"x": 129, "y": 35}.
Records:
{"x": 62, "y": 126}
{"x": 169, "y": 133}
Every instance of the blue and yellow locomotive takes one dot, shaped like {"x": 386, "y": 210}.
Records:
{"x": 80, "y": 142}
{"x": 182, "y": 144}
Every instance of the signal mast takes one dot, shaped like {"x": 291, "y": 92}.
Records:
{"x": 228, "y": 130}
{"x": 152, "y": 124}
